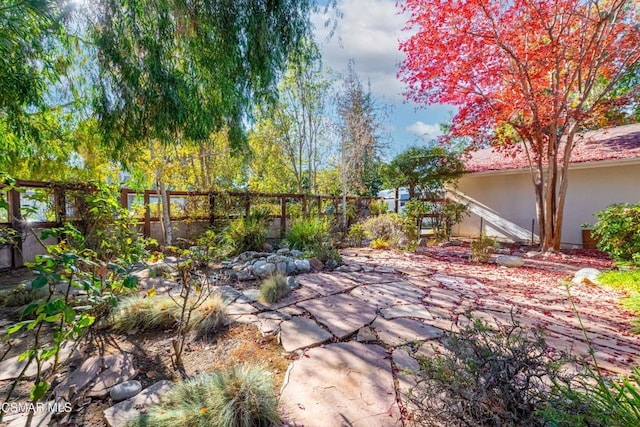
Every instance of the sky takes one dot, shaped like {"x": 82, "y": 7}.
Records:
{"x": 369, "y": 32}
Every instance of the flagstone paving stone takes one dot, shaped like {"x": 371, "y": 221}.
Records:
{"x": 341, "y": 314}
{"x": 301, "y": 332}
{"x": 119, "y": 414}
{"x": 389, "y": 294}
{"x": 327, "y": 283}
{"x": 403, "y": 331}
{"x": 343, "y": 384}
{"x": 297, "y": 295}
{"x": 411, "y": 310}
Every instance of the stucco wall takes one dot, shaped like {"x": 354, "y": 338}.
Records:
{"x": 507, "y": 205}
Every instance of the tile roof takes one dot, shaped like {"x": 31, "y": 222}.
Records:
{"x": 622, "y": 142}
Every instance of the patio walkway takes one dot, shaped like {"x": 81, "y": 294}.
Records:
{"x": 355, "y": 330}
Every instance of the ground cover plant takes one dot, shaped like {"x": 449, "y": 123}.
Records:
{"x": 313, "y": 235}
{"x": 627, "y": 281}
{"x": 274, "y": 288}
{"x": 393, "y": 229}
{"x": 240, "y": 396}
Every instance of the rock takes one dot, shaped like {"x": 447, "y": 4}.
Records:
{"x": 532, "y": 254}
{"x": 316, "y": 264}
{"x": 267, "y": 247}
{"x": 303, "y": 265}
{"x": 291, "y": 267}
{"x": 264, "y": 270}
{"x": 125, "y": 390}
{"x": 296, "y": 253}
{"x": 410, "y": 310}
{"x": 366, "y": 334}
{"x": 503, "y": 251}
{"x": 258, "y": 262}
{"x": 281, "y": 268}
{"x": 450, "y": 243}
{"x": 509, "y": 261}
{"x": 301, "y": 332}
{"x": 274, "y": 259}
{"x": 246, "y": 256}
{"x": 343, "y": 384}
{"x": 249, "y": 295}
{"x": 587, "y": 275}
{"x": 292, "y": 282}
{"x": 343, "y": 269}
{"x": 283, "y": 251}
{"x": 127, "y": 410}
{"x": 98, "y": 374}
{"x": 342, "y": 314}
{"x": 403, "y": 331}
{"x": 331, "y": 264}
{"x": 244, "y": 275}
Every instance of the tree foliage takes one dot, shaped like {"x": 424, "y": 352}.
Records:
{"x": 423, "y": 170}
{"x": 525, "y": 75}
{"x": 172, "y": 68}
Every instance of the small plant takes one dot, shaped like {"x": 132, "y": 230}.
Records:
{"x": 379, "y": 244}
{"x": 306, "y": 234}
{"x": 241, "y": 396}
{"x": 394, "y": 229}
{"x": 618, "y": 232}
{"x": 629, "y": 282}
{"x": 378, "y": 207}
{"x": 482, "y": 248}
{"x": 501, "y": 376}
{"x": 356, "y": 234}
{"x": 273, "y": 289}
{"x": 247, "y": 233}
{"x": 59, "y": 273}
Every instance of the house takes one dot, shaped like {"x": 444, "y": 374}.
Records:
{"x": 604, "y": 169}
{"x": 390, "y": 197}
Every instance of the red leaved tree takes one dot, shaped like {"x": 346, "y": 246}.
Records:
{"x": 525, "y": 75}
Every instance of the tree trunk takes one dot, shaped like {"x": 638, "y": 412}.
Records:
{"x": 168, "y": 228}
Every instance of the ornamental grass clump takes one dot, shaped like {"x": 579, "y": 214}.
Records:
{"x": 159, "y": 313}
{"x": 240, "y": 396}
{"x": 274, "y": 288}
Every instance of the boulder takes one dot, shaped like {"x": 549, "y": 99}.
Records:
{"x": 316, "y": 264}
{"x": 303, "y": 265}
{"x": 283, "y": 251}
{"x": 510, "y": 261}
{"x": 125, "y": 390}
{"x": 587, "y": 275}
{"x": 264, "y": 270}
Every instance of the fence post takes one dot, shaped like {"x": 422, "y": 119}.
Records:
{"x": 60, "y": 203}
{"x": 124, "y": 198}
{"x": 147, "y": 214}
{"x": 15, "y": 217}
{"x": 212, "y": 207}
{"x": 396, "y": 200}
{"x": 247, "y": 205}
{"x": 319, "y": 205}
{"x": 283, "y": 216}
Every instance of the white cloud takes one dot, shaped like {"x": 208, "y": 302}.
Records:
{"x": 369, "y": 32}
{"x": 425, "y": 131}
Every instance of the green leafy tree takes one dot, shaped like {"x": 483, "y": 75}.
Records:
{"x": 424, "y": 171}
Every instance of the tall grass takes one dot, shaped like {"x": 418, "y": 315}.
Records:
{"x": 241, "y": 396}
{"x": 274, "y": 288}
{"x": 160, "y": 313}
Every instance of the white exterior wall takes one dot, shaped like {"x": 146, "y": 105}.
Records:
{"x": 506, "y": 201}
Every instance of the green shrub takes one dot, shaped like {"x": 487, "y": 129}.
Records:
{"x": 306, "y": 234}
{"x": 379, "y": 244}
{"x": 241, "y": 396}
{"x": 618, "y": 232}
{"x": 356, "y": 235}
{"x": 392, "y": 228}
{"x": 482, "y": 248}
{"x": 313, "y": 235}
{"x": 247, "y": 233}
{"x": 498, "y": 376}
{"x": 378, "y": 207}
{"x": 274, "y": 288}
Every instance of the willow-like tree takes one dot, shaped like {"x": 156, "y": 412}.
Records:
{"x": 526, "y": 75}
{"x": 177, "y": 69}
{"x": 32, "y": 60}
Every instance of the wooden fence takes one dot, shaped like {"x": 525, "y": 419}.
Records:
{"x": 41, "y": 205}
